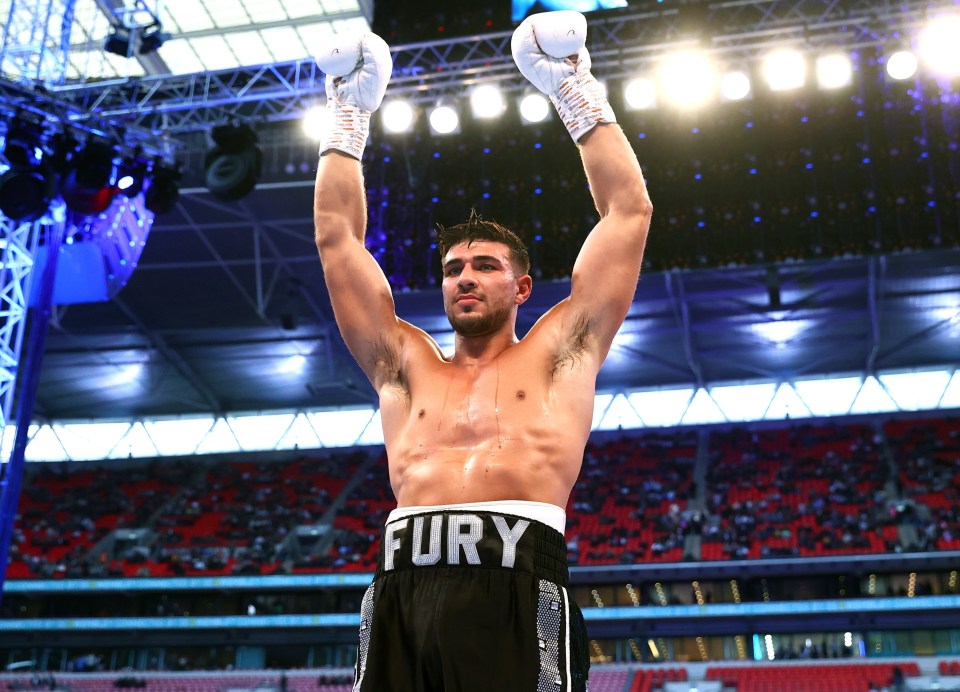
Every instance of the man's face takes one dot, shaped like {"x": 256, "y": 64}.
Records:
{"x": 479, "y": 287}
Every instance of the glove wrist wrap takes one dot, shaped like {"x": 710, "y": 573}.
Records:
{"x": 349, "y": 129}
{"x": 581, "y": 104}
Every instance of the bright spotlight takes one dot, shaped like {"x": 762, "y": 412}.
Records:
{"x": 124, "y": 374}
{"x": 397, "y": 116}
{"x": 292, "y": 364}
{"x": 735, "y": 86}
{"x": 834, "y": 71}
{"x": 534, "y": 108}
{"x": 687, "y": 78}
{"x": 902, "y": 65}
{"x": 486, "y": 101}
{"x": 316, "y": 123}
{"x": 640, "y": 94}
{"x": 939, "y": 46}
{"x": 444, "y": 120}
{"x": 785, "y": 69}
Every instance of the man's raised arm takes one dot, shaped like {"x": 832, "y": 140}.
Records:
{"x": 608, "y": 266}
{"x": 358, "y": 70}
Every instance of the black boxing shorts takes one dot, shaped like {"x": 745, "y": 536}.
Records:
{"x": 472, "y": 598}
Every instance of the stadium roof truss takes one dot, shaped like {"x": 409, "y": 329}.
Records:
{"x": 619, "y": 44}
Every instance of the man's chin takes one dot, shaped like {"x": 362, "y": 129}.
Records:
{"x": 479, "y": 326}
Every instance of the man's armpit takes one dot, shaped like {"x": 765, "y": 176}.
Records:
{"x": 385, "y": 361}
{"x": 574, "y": 346}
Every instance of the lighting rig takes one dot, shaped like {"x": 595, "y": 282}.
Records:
{"x": 106, "y": 193}
{"x": 136, "y": 29}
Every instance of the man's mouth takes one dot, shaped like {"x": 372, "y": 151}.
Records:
{"x": 467, "y": 297}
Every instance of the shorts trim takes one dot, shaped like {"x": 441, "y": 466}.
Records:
{"x": 366, "y": 633}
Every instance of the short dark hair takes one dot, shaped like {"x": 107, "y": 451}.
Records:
{"x": 476, "y": 228}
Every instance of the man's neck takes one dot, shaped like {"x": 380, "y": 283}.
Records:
{"x": 479, "y": 350}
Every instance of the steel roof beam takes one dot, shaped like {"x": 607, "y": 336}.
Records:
{"x": 423, "y": 71}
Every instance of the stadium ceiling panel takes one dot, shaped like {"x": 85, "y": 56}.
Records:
{"x": 204, "y": 35}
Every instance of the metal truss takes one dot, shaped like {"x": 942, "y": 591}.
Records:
{"x": 18, "y": 250}
{"x": 60, "y": 114}
{"x": 36, "y": 41}
{"x": 619, "y": 45}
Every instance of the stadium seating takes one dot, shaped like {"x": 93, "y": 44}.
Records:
{"x": 926, "y": 453}
{"x": 792, "y": 490}
{"x": 852, "y": 677}
{"x": 797, "y": 491}
{"x": 627, "y": 505}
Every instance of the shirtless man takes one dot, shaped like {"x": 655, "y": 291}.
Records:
{"x": 484, "y": 446}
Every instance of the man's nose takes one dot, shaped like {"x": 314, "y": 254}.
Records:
{"x": 466, "y": 279}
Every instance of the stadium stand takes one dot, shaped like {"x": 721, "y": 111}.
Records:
{"x": 810, "y": 678}
{"x": 926, "y": 454}
{"x": 798, "y": 491}
{"x": 790, "y": 490}
{"x": 627, "y": 505}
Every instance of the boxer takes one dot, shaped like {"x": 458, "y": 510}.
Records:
{"x": 483, "y": 447}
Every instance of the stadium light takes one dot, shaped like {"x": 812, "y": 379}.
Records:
{"x": 939, "y": 46}
{"x": 486, "y": 101}
{"x": 444, "y": 119}
{"x": 687, "y": 79}
{"x": 232, "y": 167}
{"x": 902, "y": 65}
{"x": 735, "y": 86}
{"x": 316, "y": 123}
{"x": 152, "y": 38}
{"x": 29, "y": 185}
{"x": 397, "y": 116}
{"x": 25, "y": 195}
{"x": 294, "y": 364}
{"x": 119, "y": 42}
{"x": 640, "y": 94}
{"x": 534, "y": 108}
{"x": 131, "y": 176}
{"x": 163, "y": 190}
{"x": 90, "y": 183}
{"x": 785, "y": 69}
{"x": 834, "y": 71}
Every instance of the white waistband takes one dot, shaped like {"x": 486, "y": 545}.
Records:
{"x": 551, "y": 515}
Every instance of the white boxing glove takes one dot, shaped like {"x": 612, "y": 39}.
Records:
{"x": 578, "y": 97}
{"x": 352, "y": 97}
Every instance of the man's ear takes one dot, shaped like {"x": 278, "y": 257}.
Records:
{"x": 524, "y": 289}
